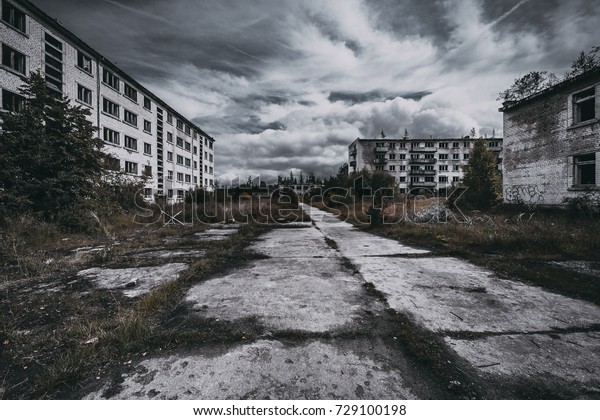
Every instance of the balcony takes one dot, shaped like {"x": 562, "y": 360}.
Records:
{"x": 423, "y": 161}
{"x": 423, "y": 184}
{"x": 423, "y": 149}
{"x": 353, "y": 152}
{"x": 353, "y": 163}
{"x": 380, "y": 161}
{"x": 422, "y": 172}
{"x": 379, "y": 149}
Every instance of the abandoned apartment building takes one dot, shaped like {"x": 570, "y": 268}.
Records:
{"x": 552, "y": 142}
{"x": 144, "y": 135}
{"x": 418, "y": 164}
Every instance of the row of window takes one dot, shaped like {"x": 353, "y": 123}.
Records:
{"x": 441, "y": 156}
{"x": 428, "y": 179}
{"x": 441, "y": 145}
{"x": 128, "y": 167}
{"x": 111, "y": 108}
{"x": 402, "y": 168}
{"x": 182, "y": 177}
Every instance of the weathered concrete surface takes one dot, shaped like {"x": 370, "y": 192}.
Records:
{"x": 447, "y": 294}
{"x": 215, "y": 234}
{"x": 302, "y": 290}
{"x": 325, "y": 336}
{"x": 284, "y": 294}
{"x": 453, "y": 298}
{"x": 565, "y": 357}
{"x": 135, "y": 281}
{"x": 265, "y": 369}
{"x": 163, "y": 254}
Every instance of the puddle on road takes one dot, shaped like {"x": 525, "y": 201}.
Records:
{"x": 135, "y": 281}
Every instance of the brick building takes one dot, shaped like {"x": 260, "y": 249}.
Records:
{"x": 144, "y": 135}
{"x": 432, "y": 164}
{"x": 552, "y": 142}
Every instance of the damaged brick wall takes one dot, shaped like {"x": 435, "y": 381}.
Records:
{"x": 541, "y": 137}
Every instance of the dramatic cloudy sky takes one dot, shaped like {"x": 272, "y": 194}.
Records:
{"x": 288, "y": 84}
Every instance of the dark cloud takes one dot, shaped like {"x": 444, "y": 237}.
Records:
{"x": 374, "y": 96}
{"x": 288, "y": 84}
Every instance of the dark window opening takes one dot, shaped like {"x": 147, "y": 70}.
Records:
{"x": 585, "y": 169}
{"x": 12, "y": 101}
{"x": 13, "y": 16}
{"x": 13, "y": 59}
{"x": 113, "y": 164}
{"x": 584, "y": 106}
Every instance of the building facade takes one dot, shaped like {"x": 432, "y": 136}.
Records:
{"x": 552, "y": 142}
{"x": 417, "y": 164}
{"x": 144, "y": 135}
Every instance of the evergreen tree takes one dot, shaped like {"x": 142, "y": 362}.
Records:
{"x": 482, "y": 178}
{"x": 50, "y": 161}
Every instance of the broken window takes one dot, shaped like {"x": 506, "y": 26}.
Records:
{"x": 584, "y": 106}
{"x": 585, "y": 169}
{"x": 84, "y": 62}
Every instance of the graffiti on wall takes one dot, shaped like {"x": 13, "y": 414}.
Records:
{"x": 524, "y": 194}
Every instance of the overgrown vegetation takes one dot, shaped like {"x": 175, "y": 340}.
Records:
{"x": 53, "y": 169}
{"x": 536, "y": 81}
{"x": 481, "y": 180}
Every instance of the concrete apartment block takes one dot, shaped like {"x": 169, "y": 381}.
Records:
{"x": 417, "y": 164}
{"x": 144, "y": 135}
{"x": 552, "y": 142}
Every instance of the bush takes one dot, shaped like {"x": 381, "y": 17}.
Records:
{"x": 587, "y": 204}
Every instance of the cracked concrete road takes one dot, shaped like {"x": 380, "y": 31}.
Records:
{"x": 323, "y": 335}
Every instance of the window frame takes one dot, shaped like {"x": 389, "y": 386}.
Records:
{"x": 130, "y": 143}
{"x": 108, "y": 76}
{"x": 6, "y": 4}
{"x": 134, "y": 91}
{"x": 579, "y": 165}
{"x": 12, "y": 65}
{"x": 578, "y": 99}
{"x": 81, "y": 88}
{"x": 81, "y": 67}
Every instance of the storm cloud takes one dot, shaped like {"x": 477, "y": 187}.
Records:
{"x": 287, "y": 84}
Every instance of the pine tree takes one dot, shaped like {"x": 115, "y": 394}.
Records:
{"x": 484, "y": 186}
{"x": 50, "y": 161}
